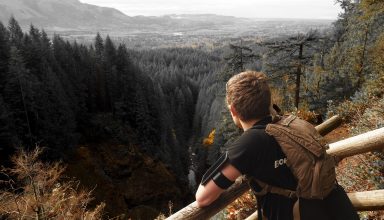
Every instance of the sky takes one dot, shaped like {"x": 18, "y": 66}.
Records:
{"x": 317, "y": 9}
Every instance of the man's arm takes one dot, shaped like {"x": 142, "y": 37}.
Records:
{"x": 208, "y": 193}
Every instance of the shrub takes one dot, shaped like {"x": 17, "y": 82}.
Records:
{"x": 365, "y": 171}
{"x": 35, "y": 190}
{"x": 352, "y": 110}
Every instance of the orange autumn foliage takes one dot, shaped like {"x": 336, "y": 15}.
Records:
{"x": 210, "y": 139}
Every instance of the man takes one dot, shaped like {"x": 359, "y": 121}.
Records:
{"x": 258, "y": 155}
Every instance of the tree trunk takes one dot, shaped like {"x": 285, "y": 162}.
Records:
{"x": 360, "y": 78}
{"x": 25, "y": 109}
{"x": 298, "y": 76}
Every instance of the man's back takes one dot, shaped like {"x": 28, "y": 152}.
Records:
{"x": 258, "y": 155}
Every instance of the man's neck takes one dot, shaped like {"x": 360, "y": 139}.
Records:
{"x": 246, "y": 125}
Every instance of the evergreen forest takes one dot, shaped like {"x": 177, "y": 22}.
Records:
{"x": 140, "y": 127}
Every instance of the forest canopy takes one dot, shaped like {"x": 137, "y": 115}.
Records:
{"x": 170, "y": 102}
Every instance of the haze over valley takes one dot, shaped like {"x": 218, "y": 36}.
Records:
{"x": 74, "y": 20}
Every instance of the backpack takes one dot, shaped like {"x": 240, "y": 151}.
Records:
{"x": 307, "y": 158}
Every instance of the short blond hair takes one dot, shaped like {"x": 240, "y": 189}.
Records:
{"x": 249, "y": 93}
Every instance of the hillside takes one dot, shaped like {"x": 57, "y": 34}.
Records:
{"x": 59, "y": 15}
{"x": 56, "y": 15}
{"x": 71, "y": 17}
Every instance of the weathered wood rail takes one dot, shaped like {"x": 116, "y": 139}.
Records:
{"x": 370, "y": 200}
{"x": 362, "y": 201}
{"x": 329, "y": 125}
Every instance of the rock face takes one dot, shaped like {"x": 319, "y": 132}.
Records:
{"x": 129, "y": 182}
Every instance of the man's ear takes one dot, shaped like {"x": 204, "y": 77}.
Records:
{"x": 233, "y": 110}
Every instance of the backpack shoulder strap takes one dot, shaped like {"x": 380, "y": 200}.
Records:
{"x": 286, "y": 121}
{"x": 266, "y": 188}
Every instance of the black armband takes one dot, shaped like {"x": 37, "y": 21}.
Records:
{"x": 214, "y": 169}
{"x": 222, "y": 181}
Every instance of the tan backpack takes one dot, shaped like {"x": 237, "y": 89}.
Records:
{"x": 307, "y": 158}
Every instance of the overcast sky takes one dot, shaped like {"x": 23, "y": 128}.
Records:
{"x": 322, "y": 9}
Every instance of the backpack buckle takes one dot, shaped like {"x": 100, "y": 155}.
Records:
{"x": 292, "y": 195}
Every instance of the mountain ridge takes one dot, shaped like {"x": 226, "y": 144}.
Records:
{"x": 72, "y": 16}
{"x": 55, "y": 14}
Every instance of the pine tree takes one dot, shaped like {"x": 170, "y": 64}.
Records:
{"x": 7, "y": 134}
{"x": 56, "y": 124}
{"x": 16, "y": 34}
{"x": 111, "y": 74}
{"x": 100, "y": 76}
{"x": 46, "y": 47}
{"x": 289, "y": 58}
{"x": 351, "y": 58}
{"x": 237, "y": 59}
{"x": 109, "y": 51}
{"x": 18, "y": 95}
{"x": 4, "y": 53}
{"x": 99, "y": 48}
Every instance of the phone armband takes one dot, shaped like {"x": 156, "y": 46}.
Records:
{"x": 222, "y": 181}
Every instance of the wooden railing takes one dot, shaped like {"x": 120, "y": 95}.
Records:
{"x": 362, "y": 201}
{"x": 370, "y": 200}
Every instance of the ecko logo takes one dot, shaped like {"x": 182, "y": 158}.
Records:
{"x": 280, "y": 162}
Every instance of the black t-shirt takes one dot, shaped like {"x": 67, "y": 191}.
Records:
{"x": 257, "y": 154}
